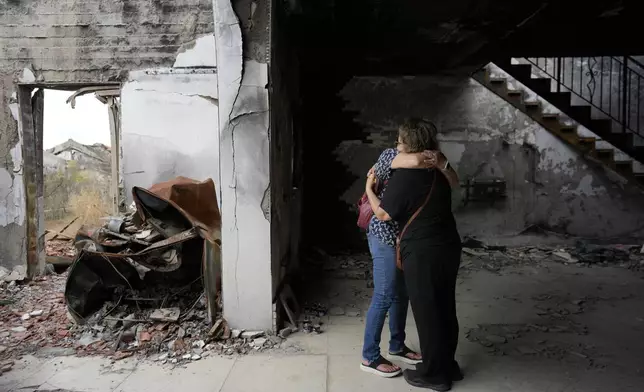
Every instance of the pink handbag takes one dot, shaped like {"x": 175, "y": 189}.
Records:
{"x": 364, "y": 212}
{"x": 364, "y": 209}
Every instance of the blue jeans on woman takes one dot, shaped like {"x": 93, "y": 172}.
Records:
{"x": 388, "y": 296}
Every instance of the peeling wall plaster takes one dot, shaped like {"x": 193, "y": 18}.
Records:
{"x": 12, "y": 200}
{"x": 244, "y": 163}
{"x": 14, "y": 207}
{"x": 169, "y": 127}
{"x": 97, "y": 43}
{"x": 198, "y": 53}
{"x": 555, "y": 156}
{"x": 548, "y": 182}
{"x": 584, "y": 188}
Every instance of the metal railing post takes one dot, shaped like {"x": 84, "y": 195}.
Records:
{"x": 559, "y": 74}
{"x": 624, "y": 92}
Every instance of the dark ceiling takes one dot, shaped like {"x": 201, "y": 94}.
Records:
{"x": 423, "y": 36}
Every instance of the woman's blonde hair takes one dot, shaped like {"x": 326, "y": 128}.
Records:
{"x": 419, "y": 135}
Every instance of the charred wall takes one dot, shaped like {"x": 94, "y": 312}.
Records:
{"x": 285, "y": 159}
{"x": 77, "y": 42}
{"x": 327, "y": 219}
{"x": 548, "y": 183}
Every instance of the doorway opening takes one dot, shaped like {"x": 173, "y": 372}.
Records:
{"x": 71, "y": 166}
{"x": 77, "y": 167}
{"x": 335, "y": 266}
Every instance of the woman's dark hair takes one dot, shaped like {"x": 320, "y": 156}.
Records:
{"x": 419, "y": 135}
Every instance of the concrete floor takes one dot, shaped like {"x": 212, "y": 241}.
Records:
{"x": 561, "y": 328}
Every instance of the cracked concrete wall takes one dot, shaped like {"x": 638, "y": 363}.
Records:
{"x": 80, "y": 42}
{"x": 548, "y": 183}
{"x": 285, "y": 189}
{"x": 13, "y": 233}
{"x": 242, "y": 40}
{"x": 169, "y": 126}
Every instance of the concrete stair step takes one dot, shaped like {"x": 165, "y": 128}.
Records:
{"x": 624, "y": 167}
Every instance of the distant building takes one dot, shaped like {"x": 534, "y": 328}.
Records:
{"x": 89, "y": 157}
{"x": 53, "y": 163}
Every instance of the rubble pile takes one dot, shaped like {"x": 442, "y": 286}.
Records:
{"x": 144, "y": 283}
{"x": 32, "y": 316}
{"x": 35, "y": 320}
{"x": 147, "y": 282}
{"x": 625, "y": 255}
{"x": 341, "y": 266}
{"x": 60, "y": 248}
{"x": 310, "y": 320}
{"x": 478, "y": 255}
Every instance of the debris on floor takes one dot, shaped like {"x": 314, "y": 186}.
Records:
{"x": 534, "y": 340}
{"x": 17, "y": 274}
{"x": 60, "y": 248}
{"x": 145, "y": 283}
{"x": 478, "y": 255}
{"x": 339, "y": 285}
{"x": 35, "y": 320}
{"x": 142, "y": 257}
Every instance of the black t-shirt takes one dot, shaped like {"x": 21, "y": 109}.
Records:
{"x": 406, "y": 191}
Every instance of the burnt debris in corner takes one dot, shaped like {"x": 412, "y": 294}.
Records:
{"x": 149, "y": 280}
{"x": 145, "y": 258}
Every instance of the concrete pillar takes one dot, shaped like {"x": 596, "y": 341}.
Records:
{"x": 244, "y": 182}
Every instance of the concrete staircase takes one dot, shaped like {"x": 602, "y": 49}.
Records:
{"x": 592, "y": 137}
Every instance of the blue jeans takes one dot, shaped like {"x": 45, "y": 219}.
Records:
{"x": 388, "y": 296}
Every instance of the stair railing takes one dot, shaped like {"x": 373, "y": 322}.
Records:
{"x": 612, "y": 85}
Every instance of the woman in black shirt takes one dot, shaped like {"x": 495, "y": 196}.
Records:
{"x": 430, "y": 251}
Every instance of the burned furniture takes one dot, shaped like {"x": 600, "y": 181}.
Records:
{"x": 488, "y": 190}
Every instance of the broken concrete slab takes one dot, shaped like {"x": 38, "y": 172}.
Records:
{"x": 166, "y": 314}
{"x": 251, "y": 334}
{"x": 259, "y": 342}
{"x": 474, "y": 253}
{"x": 565, "y": 256}
{"x": 198, "y": 346}
{"x": 19, "y": 273}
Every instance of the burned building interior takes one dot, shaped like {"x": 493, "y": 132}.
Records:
{"x": 357, "y": 81}
{"x": 539, "y": 108}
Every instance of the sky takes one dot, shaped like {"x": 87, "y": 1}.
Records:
{"x": 88, "y": 123}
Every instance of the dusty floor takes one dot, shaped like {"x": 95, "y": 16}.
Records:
{"x": 534, "y": 327}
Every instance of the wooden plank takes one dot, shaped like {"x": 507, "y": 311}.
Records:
{"x": 58, "y": 234}
{"x": 65, "y": 228}
{"x": 30, "y": 164}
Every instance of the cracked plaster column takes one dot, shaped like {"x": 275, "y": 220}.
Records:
{"x": 244, "y": 182}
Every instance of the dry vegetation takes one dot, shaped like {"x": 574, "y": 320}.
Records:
{"x": 72, "y": 192}
{"x": 90, "y": 205}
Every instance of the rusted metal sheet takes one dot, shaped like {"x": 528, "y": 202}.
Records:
{"x": 195, "y": 201}
{"x": 93, "y": 279}
{"x": 186, "y": 214}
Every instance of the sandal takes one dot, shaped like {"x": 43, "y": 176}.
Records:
{"x": 402, "y": 356}
{"x": 373, "y": 368}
